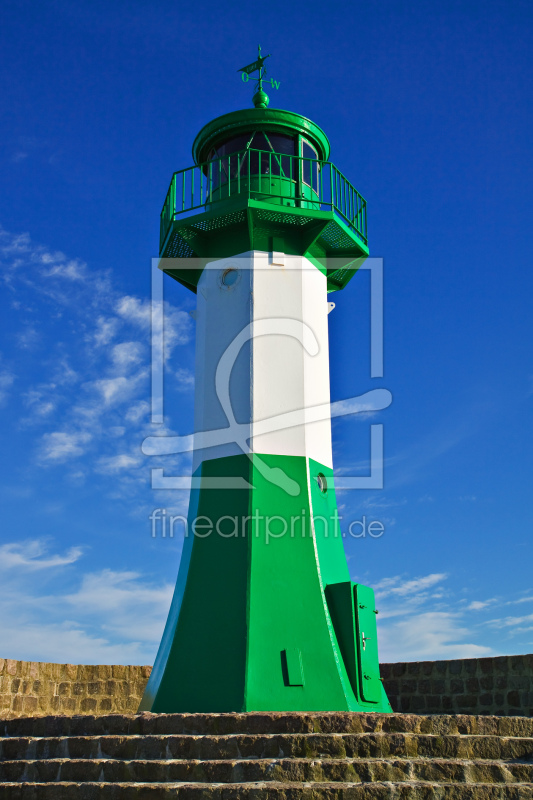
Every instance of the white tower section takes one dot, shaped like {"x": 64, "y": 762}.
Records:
{"x": 262, "y": 352}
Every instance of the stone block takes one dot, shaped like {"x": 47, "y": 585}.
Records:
{"x": 500, "y": 682}
{"x": 88, "y": 705}
{"x": 105, "y": 706}
{"x": 54, "y": 703}
{"x": 516, "y": 664}
{"x": 456, "y": 667}
{"x": 105, "y": 671}
{"x": 34, "y": 670}
{"x": 70, "y": 671}
{"x": 45, "y": 704}
{"x": 405, "y": 703}
{"x": 486, "y": 699}
{"x": 17, "y": 703}
{"x": 513, "y": 698}
{"x": 95, "y": 687}
{"x": 433, "y": 703}
{"x": 486, "y": 665}
{"x": 118, "y": 671}
{"x": 518, "y": 682}
{"x": 427, "y": 668}
{"x": 413, "y": 668}
{"x": 472, "y": 685}
{"x": 467, "y": 702}
{"x": 486, "y": 682}
{"x": 55, "y": 671}
{"x": 29, "y": 704}
{"x": 12, "y": 666}
{"x": 89, "y": 673}
{"x": 63, "y": 689}
{"x": 385, "y": 670}
{"x": 5, "y": 701}
{"x": 441, "y": 667}
{"x": 2, "y": 665}
{"x": 408, "y": 686}
{"x": 399, "y": 669}
{"x": 501, "y": 665}
{"x": 424, "y": 686}
{"x": 437, "y": 686}
{"x": 67, "y": 704}
{"x": 470, "y": 666}
{"x": 112, "y": 688}
{"x": 457, "y": 686}
{"x": 15, "y": 685}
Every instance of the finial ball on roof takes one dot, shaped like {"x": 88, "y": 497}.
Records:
{"x": 261, "y": 99}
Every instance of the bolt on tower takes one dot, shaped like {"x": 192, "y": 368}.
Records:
{"x": 264, "y": 616}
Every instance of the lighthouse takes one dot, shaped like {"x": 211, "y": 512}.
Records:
{"x": 264, "y": 229}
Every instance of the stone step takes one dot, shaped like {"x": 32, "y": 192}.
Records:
{"x": 288, "y": 745}
{"x": 303, "y": 770}
{"x": 274, "y": 722}
{"x": 414, "y": 790}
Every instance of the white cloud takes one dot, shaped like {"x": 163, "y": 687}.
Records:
{"x": 73, "y": 270}
{"x": 110, "y": 616}
{"x": 177, "y": 328}
{"x": 119, "y": 389}
{"x": 113, "y": 464}
{"x": 106, "y": 330}
{"x": 28, "y": 338}
{"x": 185, "y": 379}
{"x": 31, "y": 555}
{"x": 511, "y": 622}
{"x": 429, "y": 636}
{"x": 6, "y": 382}
{"x": 479, "y": 605}
{"x": 126, "y": 354}
{"x": 60, "y": 445}
{"x": 137, "y": 411}
{"x": 64, "y": 375}
{"x": 39, "y": 405}
{"x": 67, "y": 642}
{"x": 135, "y": 311}
{"x": 399, "y": 586}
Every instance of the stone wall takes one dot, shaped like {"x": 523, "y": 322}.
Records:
{"x": 502, "y": 686}
{"x": 37, "y": 688}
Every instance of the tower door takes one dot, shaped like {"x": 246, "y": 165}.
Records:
{"x": 367, "y": 643}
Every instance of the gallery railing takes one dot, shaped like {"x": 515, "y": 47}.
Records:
{"x": 277, "y": 178}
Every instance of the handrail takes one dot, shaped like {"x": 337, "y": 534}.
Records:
{"x": 303, "y": 182}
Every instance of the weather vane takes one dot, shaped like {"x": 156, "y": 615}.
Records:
{"x": 260, "y": 98}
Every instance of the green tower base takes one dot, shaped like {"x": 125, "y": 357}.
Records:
{"x": 264, "y": 615}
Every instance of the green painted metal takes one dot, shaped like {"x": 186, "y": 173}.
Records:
{"x": 262, "y": 119}
{"x": 260, "y": 98}
{"x": 250, "y": 627}
{"x": 249, "y": 198}
{"x": 285, "y": 180}
{"x": 367, "y": 643}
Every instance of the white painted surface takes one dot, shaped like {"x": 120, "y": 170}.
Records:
{"x": 277, "y": 310}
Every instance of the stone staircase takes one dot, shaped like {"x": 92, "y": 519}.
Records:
{"x": 267, "y": 755}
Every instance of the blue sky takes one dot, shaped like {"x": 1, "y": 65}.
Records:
{"x": 428, "y": 109}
